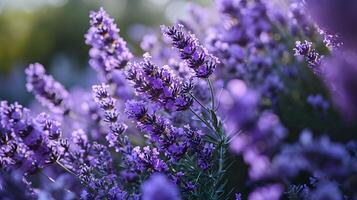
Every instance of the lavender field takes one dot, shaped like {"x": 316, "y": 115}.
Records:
{"x": 229, "y": 99}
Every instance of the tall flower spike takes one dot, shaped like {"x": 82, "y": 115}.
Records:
{"x": 191, "y": 51}
{"x": 107, "y": 104}
{"x": 46, "y": 89}
{"x": 160, "y": 85}
{"x": 312, "y": 57}
{"x": 108, "y": 50}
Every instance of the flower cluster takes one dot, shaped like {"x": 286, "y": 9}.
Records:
{"x": 235, "y": 116}
{"x": 27, "y": 143}
{"x": 160, "y": 85}
{"x": 173, "y": 142}
{"x": 312, "y": 57}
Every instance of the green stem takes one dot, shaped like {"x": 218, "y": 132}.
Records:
{"x": 65, "y": 168}
{"x": 212, "y": 93}
{"x": 198, "y": 101}
{"x": 203, "y": 120}
{"x": 54, "y": 181}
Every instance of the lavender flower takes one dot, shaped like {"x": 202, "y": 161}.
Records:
{"x": 146, "y": 160}
{"x": 238, "y": 196}
{"x": 259, "y": 93}
{"x": 271, "y": 192}
{"x": 107, "y": 104}
{"x": 158, "y": 187}
{"x": 47, "y": 91}
{"x": 318, "y": 102}
{"x": 326, "y": 190}
{"x": 312, "y": 57}
{"x": 14, "y": 186}
{"x": 191, "y": 51}
{"x": 32, "y": 143}
{"x": 321, "y": 157}
{"x": 160, "y": 85}
{"x": 108, "y": 50}
{"x": 173, "y": 142}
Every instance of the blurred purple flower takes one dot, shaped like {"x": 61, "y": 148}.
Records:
{"x": 46, "y": 89}
{"x": 158, "y": 187}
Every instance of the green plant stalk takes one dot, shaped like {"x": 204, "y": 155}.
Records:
{"x": 214, "y": 124}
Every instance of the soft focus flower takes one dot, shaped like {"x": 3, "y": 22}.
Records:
{"x": 46, "y": 89}
{"x": 271, "y": 192}
{"x": 158, "y": 187}
{"x": 340, "y": 71}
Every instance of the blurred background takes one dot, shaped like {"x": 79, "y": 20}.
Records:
{"x": 52, "y": 32}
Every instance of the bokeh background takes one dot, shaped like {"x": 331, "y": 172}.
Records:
{"x": 52, "y": 32}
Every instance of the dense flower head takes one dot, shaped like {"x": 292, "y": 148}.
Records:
{"x": 160, "y": 85}
{"x": 146, "y": 159}
{"x": 30, "y": 143}
{"x": 173, "y": 142}
{"x": 108, "y": 50}
{"x": 196, "y": 56}
{"x": 46, "y": 89}
{"x": 312, "y": 57}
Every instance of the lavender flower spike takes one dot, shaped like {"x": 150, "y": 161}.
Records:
{"x": 46, "y": 89}
{"x": 191, "y": 51}
{"x": 160, "y": 85}
{"x": 108, "y": 50}
{"x": 107, "y": 104}
{"x": 312, "y": 57}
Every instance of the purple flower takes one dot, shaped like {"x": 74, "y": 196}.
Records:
{"x": 238, "y": 196}
{"x": 108, "y": 50}
{"x": 146, "y": 160}
{"x": 320, "y": 157}
{"x": 160, "y": 85}
{"x": 191, "y": 51}
{"x": 31, "y": 143}
{"x": 312, "y": 57}
{"x": 158, "y": 187}
{"x": 173, "y": 142}
{"x": 326, "y": 190}
{"x": 46, "y": 89}
{"x": 269, "y": 192}
{"x": 318, "y": 102}
{"x": 107, "y": 104}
